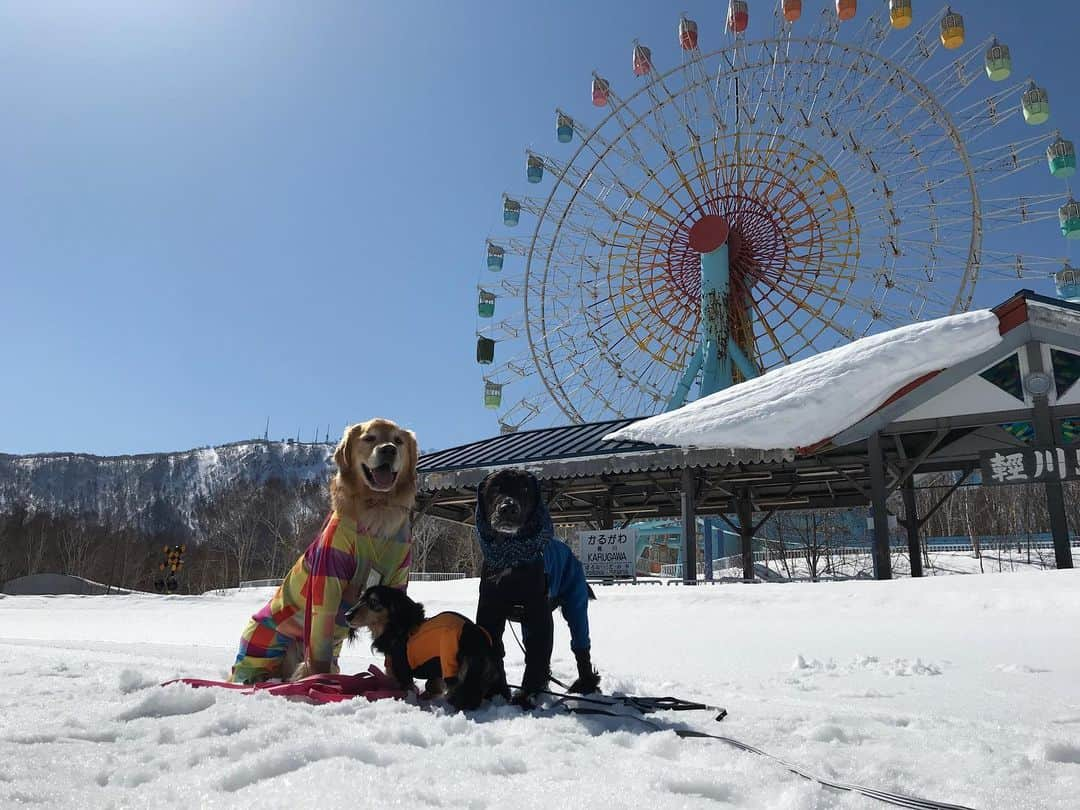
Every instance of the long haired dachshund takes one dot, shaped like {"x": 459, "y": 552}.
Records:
{"x": 454, "y": 655}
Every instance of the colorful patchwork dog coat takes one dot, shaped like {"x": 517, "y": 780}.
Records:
{"x": 310, "y": 604}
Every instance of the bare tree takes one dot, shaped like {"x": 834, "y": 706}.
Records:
{"x": 36, "y": 542}
{"x": 234, "y": 522}
{"x": 426, "y": 532}
{"x": 278, "y": 517}
{"x": 815, "y": 538}
{"x": 76, "y": 541}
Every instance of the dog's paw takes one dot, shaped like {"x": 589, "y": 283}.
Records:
{"x": 300, "y": 672}
{"x": 586, "y": 685}
{"x": 524, "y": 700}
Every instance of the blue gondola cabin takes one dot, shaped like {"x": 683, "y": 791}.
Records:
{"x": 511, "y": 212}
{"x": 564, "y": 128}
{"x": 534, "y": 169}
{"x": 495, "y": 257}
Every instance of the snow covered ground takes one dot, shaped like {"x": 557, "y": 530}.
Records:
{"x": 994, "y": 560}
{"x": 964, "y": 689}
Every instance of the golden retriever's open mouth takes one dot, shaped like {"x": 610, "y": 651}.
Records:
{"x": 381, "y": 478}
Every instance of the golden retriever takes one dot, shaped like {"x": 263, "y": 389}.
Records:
{"x": 365, "y": 539}
{"x": 376, "y": 478}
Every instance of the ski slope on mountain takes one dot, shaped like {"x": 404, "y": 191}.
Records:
{"x": 963, "y": 689}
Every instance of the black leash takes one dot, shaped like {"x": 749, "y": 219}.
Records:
{"x": 643, "y": 705}
{"x": 551, "y": 677}
{"x": 647, "y": 705}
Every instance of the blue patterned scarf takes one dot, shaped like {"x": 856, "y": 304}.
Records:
{"x": 506, "y": 551}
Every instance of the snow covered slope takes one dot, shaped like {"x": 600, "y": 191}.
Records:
{"x": 155, "y": 492}
{"x": 961, "y": 689}
{"x": 814, "y": 399}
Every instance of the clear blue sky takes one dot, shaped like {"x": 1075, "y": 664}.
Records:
{"x": 217, "y": 212}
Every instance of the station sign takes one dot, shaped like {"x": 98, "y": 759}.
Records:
{"x": 609, "y": 552}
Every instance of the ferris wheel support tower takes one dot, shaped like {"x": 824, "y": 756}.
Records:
{"x": 717, "y": 356}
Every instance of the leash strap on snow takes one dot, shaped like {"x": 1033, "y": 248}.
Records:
{"x": 895, "y": 799}
{"x": 373, "y": 685}
{"x": 644, "y": 705}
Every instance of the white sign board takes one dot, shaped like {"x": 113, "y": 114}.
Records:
{"x": 608, "y": 552}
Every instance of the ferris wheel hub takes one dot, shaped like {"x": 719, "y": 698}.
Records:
{"x": 708, "y": 233}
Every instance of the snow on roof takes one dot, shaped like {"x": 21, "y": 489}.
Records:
{"x": 814, "y": 399}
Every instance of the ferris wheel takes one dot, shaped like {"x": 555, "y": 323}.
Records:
{"x": 730, "y": 210}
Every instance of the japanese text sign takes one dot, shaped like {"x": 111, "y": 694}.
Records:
{"x": 609, "y": 552}
{"x": 1029, "y": 465}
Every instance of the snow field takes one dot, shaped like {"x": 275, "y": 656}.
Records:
{"x": 964, "y": 689}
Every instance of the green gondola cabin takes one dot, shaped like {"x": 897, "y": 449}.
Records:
{"x": 1067, "y": 281}
{"x": 998, "y": 62}
{"x": 1061, "y": 158}
{"x": 492, "y": 394}
{"x": 1069, "y": 217}
{"x": 1036, "y": 105}
{"x": 486, "y": 305}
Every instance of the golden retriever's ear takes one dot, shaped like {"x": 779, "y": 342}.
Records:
{"x": 341, "y": 454}
{"x": 408, "y": 473}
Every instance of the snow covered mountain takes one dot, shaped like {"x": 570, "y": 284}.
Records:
{"x": 155, "y": 492}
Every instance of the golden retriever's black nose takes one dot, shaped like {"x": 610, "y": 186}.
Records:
{"x": 387, "y": 452}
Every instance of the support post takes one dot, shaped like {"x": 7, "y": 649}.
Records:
{"x": 745, "y": 512}
{"x": 882, "y": 563}
{"x": 716, "y": 373}
{"x": 689, "y": 518}
{"x": 707, "y": 527}
{"x": 1046, "y": 438}
{"x": 911, "y": 523}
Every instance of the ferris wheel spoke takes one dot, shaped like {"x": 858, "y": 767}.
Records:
{"x": 670, "y": 101}
{"x": 640, "y": 120}
{"x": 777, "y": 344}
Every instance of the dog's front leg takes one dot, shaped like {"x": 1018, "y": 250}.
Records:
{"x": 397, "y": 667}
{"x": 434, "y": 687}
{"x": 307, "y": 668}
{"x": 300, "y": 672}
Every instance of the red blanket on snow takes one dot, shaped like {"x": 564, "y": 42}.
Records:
{"x": 373, "y": 685}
